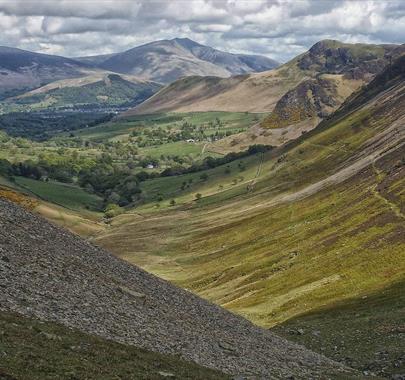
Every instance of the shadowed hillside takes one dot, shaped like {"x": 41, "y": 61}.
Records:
{"x": 373, "y": 332}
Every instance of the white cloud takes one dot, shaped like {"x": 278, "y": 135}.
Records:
{"x": 277, "y": 28}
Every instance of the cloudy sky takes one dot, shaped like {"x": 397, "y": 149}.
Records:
{"x": 279, "y": 29}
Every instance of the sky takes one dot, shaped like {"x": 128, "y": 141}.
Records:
{"x": 279, "y": 29}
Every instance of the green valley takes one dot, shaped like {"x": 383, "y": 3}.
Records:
{"x": 278, "y": 196}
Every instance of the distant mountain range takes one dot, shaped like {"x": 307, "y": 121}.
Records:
{"x": 160, "y": 61}
{"x": 167, "y": 60}
{"x": 310, "y": 85}
{"x": 22, "y": 70}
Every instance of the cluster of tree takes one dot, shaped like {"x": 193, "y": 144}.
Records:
{"x": 115, "y": 183}
{"x": 41, "y": 126}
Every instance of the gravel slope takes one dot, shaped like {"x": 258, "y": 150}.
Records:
{"x": 54, "y": 275}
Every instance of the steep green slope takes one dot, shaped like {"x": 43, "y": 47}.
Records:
{"x": 38, "y": 350}
{"x": 321, "y": 221}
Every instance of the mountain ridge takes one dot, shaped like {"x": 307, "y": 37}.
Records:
{"x": 24, "y": 70}
{"x": 167, "y": 60}
{"x": 260, "y": 92}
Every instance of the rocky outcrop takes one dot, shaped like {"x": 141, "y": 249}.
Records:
{"x": 335, "y": 69}
{"x": 355, "y": 61}
{"x": 51, "y": 274}
{"x": 311, "y": 98}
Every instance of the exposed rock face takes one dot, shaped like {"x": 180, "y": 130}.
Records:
{"x": 330, "y": 62}
{"x": 355, "y": 61}
{"x": 51, "y": 274}
{"x": 311, "y": 98}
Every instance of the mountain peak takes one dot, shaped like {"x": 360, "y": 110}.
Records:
{"x": 164, "y": 61}
{"x": 186, "y": 42}
{"x": 322, "y": 45}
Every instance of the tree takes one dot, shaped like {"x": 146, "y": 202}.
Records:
{"x": 112, "y": 210}
{"x": 172, "y": 202}
{"x": 198, "y": 196}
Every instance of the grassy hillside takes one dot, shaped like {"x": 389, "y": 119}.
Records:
{"x": 252, "y": 93}
{"x": 69, "y": 196}
{"x": 80, "y": 221}
{"x": 365, "y": 333}
{"x": 320, "y": 222}
{"x": 38, "y": 350}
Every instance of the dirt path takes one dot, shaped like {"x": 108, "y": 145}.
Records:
{"x": 374, "y": 189}
{"x": 252, "y": 182}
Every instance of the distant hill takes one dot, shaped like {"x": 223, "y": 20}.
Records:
{"x": 98, "y": 89}
{"x": 22, "y": 70}
{"x": 340, "y": 67}
{"x": 167, "y": 60}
